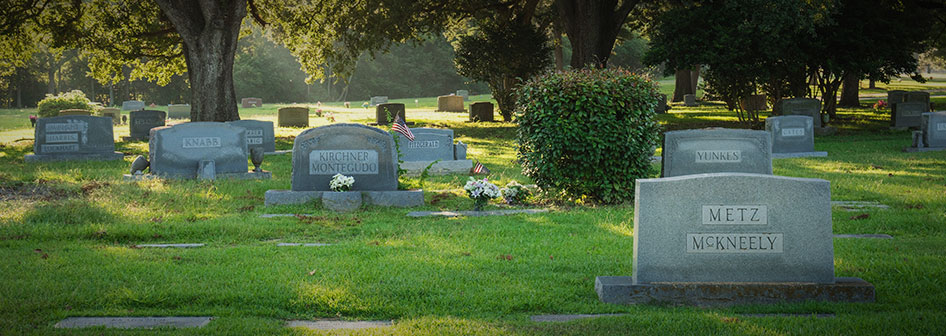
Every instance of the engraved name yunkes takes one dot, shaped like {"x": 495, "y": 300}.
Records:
{"x": 718, "y": 156}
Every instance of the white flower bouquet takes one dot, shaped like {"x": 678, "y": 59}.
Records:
{"x": 341, "y": 182}
{"x": 481, "y": 191}
{"x": 514, "y": 193}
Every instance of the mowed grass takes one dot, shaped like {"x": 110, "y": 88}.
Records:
{"x": 68, "y": 236}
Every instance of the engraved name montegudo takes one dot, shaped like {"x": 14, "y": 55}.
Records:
{"x": 330, "y": 162}
{"x": 735, "y": 242}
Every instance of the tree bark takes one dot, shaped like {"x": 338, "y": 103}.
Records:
{"x": 694, "y": 78}
{"x": 210, "y": 30}
{"x": 557, "y": 51}
{"x": 683, "y": 85}
{"x": 850, "y": 87}
{"x": 592, "y": 27}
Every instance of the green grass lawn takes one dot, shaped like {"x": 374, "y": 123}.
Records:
{"x": 68, "y": 233}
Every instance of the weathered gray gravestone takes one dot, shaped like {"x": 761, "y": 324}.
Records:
{"x": 730, "y": 238}
{"x": 716, "y": 150}
{"x": 178, "y": 151}
{"x": 113, "y": 113}
{"x": 132, "y": 105}
{"x": 934, "y": 129}
{"x": 251, "y": 102}
{"x": 916, "y": 97}
{"x": 689, "y": 99}
{"x": 907, "y": 114}
{"x": 179, "y": 111}
{"x": 481, "y": 111}
{"x": 803, "y": 106}
{"x": 376, "y": 100}
{"x": 429, "y": 144}
{"x": 450, "y": 104}
{"x": 141, "y": 122}
{"x": 792, "y": 136}
{"x": 385, "y": 110}
{"x": 258, "y": 134}
{"x": 73, "y": 138}
{"x": 292, "y": 116}
{"x": 365, "y": 153}
{"x": 464, "y": 93}
{"x": 895, "y": 96}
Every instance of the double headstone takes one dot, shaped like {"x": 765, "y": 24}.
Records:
{"x": 429, "y": 145}
{"x": 450, "y": 103}
{"x": 792, "y": 136}
{"x": 896, "y": 96}
{"x": 73, "y": 138}
{"x": 179, "y": 111}
{"x": 464, "y": 93}
{"x": 376, "y": 100}
{"x": 481, "y": 111}
{"x": 74, "y": 112}
{"x": 293, "y": 117}
{"x": 389, "y": 110}
{"x": 113, "y": 113}
{"x": 732, "y": 238}
{"x": 132, "y": 105}
{"x": 251, "y": 102}
{"x": 141, "y": 122}
{"x": 716, "y": 150}
{"x": 199, "y": 149}
{"x": 258, "y": 134}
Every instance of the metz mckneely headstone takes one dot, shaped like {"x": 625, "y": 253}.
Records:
{"x": 803, "y": 106}
{"x": 292, "y": 117}
{"x": 385, "y": 110}
{"x": 715, "y": 151}
{"x": 141, "y": 122}
{"x": 907, "y": 114}
{"x": 429, "y": 144}
{"x": 258, "y": 134}
{"x": 132, "y": 105}
{"x": 376, "y": 100}
{"x": 179, "y": 111}
{"x": 365, "y": 153}
{"x": 934, "y": 129}
{"x": 450, "y": 104}
{"x": 791, "y": 134}
{"x": 481, "y": 111}
{"x": 73, "y": 138}
{"x": 177, "y": 151}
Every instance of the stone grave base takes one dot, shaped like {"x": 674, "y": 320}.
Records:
{"x": 622, "y": 290}
{"x": 250, "y": 175}
{"x": 440, "y": 168}
{"x": 279, "y": 152}
{"x": 798, "y": 155}
{"x": 74, "y": 157}
{"x": 922, "y": 149}
{"x": 392, "y": 198}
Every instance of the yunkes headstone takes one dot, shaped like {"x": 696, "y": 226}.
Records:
{"x": 177, "y": 151}
{"x": 792, "y": 136}
{"x": 179, "y": 111}
{"x": 141, "y": 122}
{"x": 66, "y": 138}
{"x": 728, "y": 238}
{"x": 132, "y": 105}
{"x": 716, "y": 150}
{"x": 450, "y": 104}
{"x": 258, "y": 134}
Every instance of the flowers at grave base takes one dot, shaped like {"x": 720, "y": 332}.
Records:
{"x": 365, "y": 105}
{"x": 481, "y": 191}
{"x": 880, "y": 104}
{"x": 514, "y": 193}
{"x": 32, "y": 120}
{"x": 330, "y": 117}
{"x": 341, "y": 182}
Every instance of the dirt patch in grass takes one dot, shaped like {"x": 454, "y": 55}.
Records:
{"x": 32, "y": 192}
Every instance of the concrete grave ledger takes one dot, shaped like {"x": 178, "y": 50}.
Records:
{"x": 365, "y": 153}
{"x": 258, "y": 134}
{"x": 73, "y": 138}
{"x": 178, "y": 150}
{"x": 716, "y": 150}
{"x": 141, "y": 122}
{"x": 934, "y": 129}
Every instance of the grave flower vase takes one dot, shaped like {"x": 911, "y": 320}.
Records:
{"x": 341, "y": 201}
{"x": 479, "y": 203}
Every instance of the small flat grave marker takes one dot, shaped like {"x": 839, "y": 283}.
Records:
{"x": 135, "y": 322}
{"x": 303, "y": 244}
{"x": 336, "y": 324}
{"x": 189, "y": 245}
{"x": 568, "y": 317}
{"x": 877, "y": 236}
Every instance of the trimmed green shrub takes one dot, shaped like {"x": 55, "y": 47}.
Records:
{"x": 51, "y": 105}
{"x": 588, "y": 132}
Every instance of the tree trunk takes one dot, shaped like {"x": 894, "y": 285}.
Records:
{"x": 872, "y": 84}
{"x": 694, "y": 78}
{"x": 557, "y": 52}
{"x": 592, "y": 27}
{"x": 504, "y": 91}
{"x": 850, "y": 87}
{"x": 210, "y": 30}
{"x": 683, "y": 85}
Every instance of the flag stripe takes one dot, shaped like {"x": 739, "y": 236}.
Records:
{"x": 401, "y": 127}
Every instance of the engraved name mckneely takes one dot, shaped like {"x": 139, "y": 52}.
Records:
{"x": 201, "y": 142}
{"x": 330, "y": 162}
{"x": 718, "y": 156}
{"x": 424, "y": 144}
{"x": 735, "y": 214}
{"x": 734, "y": 243}
{"x": 786, "y": 132}
{"x": 62, "y": 137}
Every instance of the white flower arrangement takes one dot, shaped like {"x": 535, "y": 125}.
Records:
{"x": 341, "y": 182}
{"x": 514, "y": 193}
{"x": 481, "y": 191}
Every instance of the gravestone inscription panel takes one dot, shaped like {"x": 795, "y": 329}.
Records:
{"x": 803, "y": 106}
{"x": 132, "y": 105}
{"x": 908, "y": 114}
{"x": 429, "y": 144}
{"x": 365, "y": 153}
{"x": 934, "y": 129}
{"x": 258, "y": 134}
{"x": 292, "y": 117}
{"x": 73, "y": 138}
{"x": 716, "y": 150}
{"x": 177, "y": 151}
{"x": 791, "y": 134}
{"x": 141, "y": 122}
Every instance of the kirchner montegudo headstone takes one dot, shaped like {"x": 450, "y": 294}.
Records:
{"x": 141, "y": 122}
{"x": 181, "y": 150}
{"x": 73, "y": 138}
{"x": 792, "y": 136}
{"x": 258, "y": 134}
{"x": 732, "y": 238}
{"x": 716, "y": 150}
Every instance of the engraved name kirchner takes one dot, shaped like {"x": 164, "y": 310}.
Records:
{"x": 735, "y": 214}
{"x": 734, "y": 243}
{"x": 331, "y": 162}
{"x": 941, "y": 126}
{"x": 424, "y": 144}
{"x": 72, "y": 127}
{"x": 66, "y": 148}
{"x": 62, "y": 137}
{"x": 787, "y": 132}
{"x": 201, "y": 142}
{"x": 254, "y": 141}
{"x": 719, "y": 156}
{"x": 254, "y": 132}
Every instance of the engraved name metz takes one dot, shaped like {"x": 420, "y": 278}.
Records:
{"x": 331, "y": 162}
{"x": 707, "y": 156}
{"x": 201, "y": 142}
{"x": 735, "y": 214}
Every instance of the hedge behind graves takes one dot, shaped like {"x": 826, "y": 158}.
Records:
{"x": 51, "y": 105}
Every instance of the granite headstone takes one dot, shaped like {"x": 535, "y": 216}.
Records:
{"x": 716, "y": 150}
{"x": 177, "y": 151}
{"x": 662, "y": 106}
{"x": 376, "y": 100}
{"x": 803, "y": 106}
{"x": 179, "y": 111}
{"x": 908, "y": 114}
{"x": 292, "y": 117}
{"x": 132, "y": 105}
{"x": 365, "y": 153}
{"x": 113, "y": 113}
{"x": 896, "y": 96}
{"x": 917, "y": 97}
{"x": 251, "y": 102}
{"x": 934, "y": 129}
{"x": 141, "y": 122}
{"x": 481, "y": 111}
{"x": 383, "y": 110}
{"x": 791, "y": 134}
{"x": 73, "y": 138}
{"x": 450, "y": 104}
{"x": 689, "y": 99}
{"x": 429, "y": 144}
{"x": 464, "y": 93}
{"x": 258, "y": 134}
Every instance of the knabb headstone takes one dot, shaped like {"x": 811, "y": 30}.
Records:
{"x": 73, "y": 138}
{"x": 731, "y": 238}
{"x": 392, "y": 110}
{"x": 132, "y": 105}
{"x": 293, "y": 117}
{"x": 791, "y": 134}
{"x": 258, "y": 134}
{"x": 179, "y": 111}
{"x": 177, "y": 151}
{"x": 74, "y": 112}
{"x": 803, "y": 106}
{"x": 365, "y": 153}
{"x": 481, "y": 111}
{"x": 689, "y": 99}
{"x": 429, "y": 144}
{"x": 464, "y": 93}
{"x": 450, "y": 104}
{"x": 141, "y": 122}
{"x": 907, "y": 114}
{"x": 113, "y": 113}
{"x": 715, "y": 151}
{"x": 378, "y": 100}
{"x": 251, "y": 102}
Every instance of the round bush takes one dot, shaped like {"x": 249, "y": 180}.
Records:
{"x": 588, "y": 132}
{"x": 51, "y": 105}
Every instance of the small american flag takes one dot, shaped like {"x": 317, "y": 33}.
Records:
{"x": 479, "y": 168}
{"x": 401, "y": 127}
